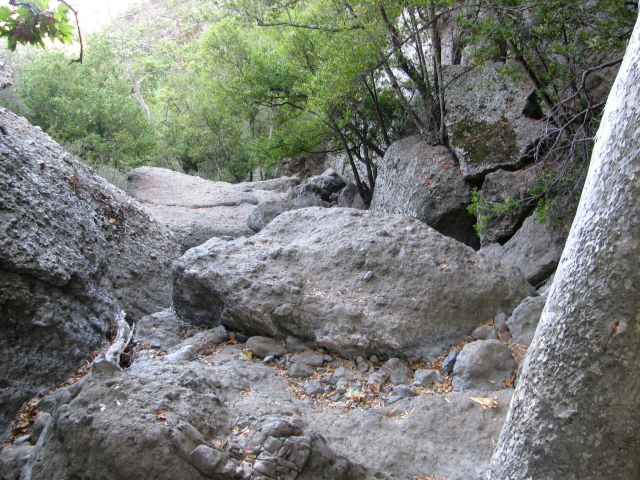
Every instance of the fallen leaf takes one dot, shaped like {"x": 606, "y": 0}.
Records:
{"x": 160, "y": 415}
{"x": 485, "y": 402}
{"x": 246, "y": 354}
{"x": 112, "y": 221}
{"x": 118, "y": 402}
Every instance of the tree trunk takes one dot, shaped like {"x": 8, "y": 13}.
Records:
{"x": 576, "y": 412}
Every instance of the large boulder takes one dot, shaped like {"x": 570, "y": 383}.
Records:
{"x": 196, "y": 209}
{"x": 326, "y": 187}
{"x": 493, "y": 119}
{"x": 357, "y": 283}
{"x": 74, "y": 250}
{"x": 423, "y": 181}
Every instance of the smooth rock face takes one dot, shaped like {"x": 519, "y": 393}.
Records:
{"x": 491, "y": 118}
{"x": 525, "y": 318}
{"x": 302, "y": 276}
{"x": 73, "y": 251}
{"x": 422, "y": 181}
{"x": 196, "y": 209}
{"x": 483, "y": 365}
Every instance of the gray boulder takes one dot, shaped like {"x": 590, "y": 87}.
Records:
{"x": 423, "y": 181}
{"x": 524, "y": 320}
{"x": 161, "y": 330}
{"x": 265, "y": 346}
{"x": 483, "y": 365}
{"x": 196, "y": 209}
{"x": 492, "y": 118}
{"x": 499, "y": 188}
{"x": 427, "y": 292}
{"x": 535, "y": 249}
{"x": 261, "y": 215}
{"x": 326, "y": 187}
{"x": 74, "y": 250}
{"x": 12, "y": 460}
{"x": 206, "y": 342}
{"x": 349, "y": 197}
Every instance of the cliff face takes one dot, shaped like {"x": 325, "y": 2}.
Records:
{"x": 74, "y": 250}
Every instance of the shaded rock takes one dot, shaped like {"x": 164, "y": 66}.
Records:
{"x": 423, "y": 181}
{"x": 498, "y": 189}
{"x": 206, "y": 342}
{"x": 265, "y": 346}
{"x": 535, "y": 249}
{"x": 295, "y": 345}
{"x": 39, "y": 426}
{"x": 349, "y": 197}
{"x": 524, "y": 319}
{"x": 74, "y": 250}
{"x": 207, "y": 460}
{"x": 161, "y": 330}
{"x": 401, "y": 392}
{"x": 396, "y": 370}
{"x": 261, "y": 215}
{"x": 449, "y": 362}
{"x": 6, "y": 75}
{"x": 196, "y": 209}
{"x": 323, "y": 186}
{"x": 307, "y": 200}
{"x": 425, "y": 378}
{"x": 299, "y": 370}
{"x": 483, "y": 365}
{"x": 428, "y": 291}
{"x": 305, "y": 166}
{"x": 313, "y": 387}
{"x": 492, "y": 118}
{"x": 309, "y": 358}
{"x": 12, "y": 459}
{"x": 485, "y": 332}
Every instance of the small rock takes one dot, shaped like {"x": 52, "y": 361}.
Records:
{"x": 485, "y": 332}
{"x": 313, "y": 387}
{"x": 500, "y": 322}
{"x": 363, "y": 367}
{"x": 397, "y": 371}
{"x": 299, "y": 370}
{"x": 342, "y": 372}
{"x": 425, "y": 378}
{"x": 336, "y": 398}
{"x": 367, "y": 276}
{"x": 342, "y": 386}
{"x": 241, "y": 337}
{"x": 265, "y": 346}
{"x": 401, "y": 391}
{"x": 295, "y": 345}
{"x": 185, "y": 354}
{"x": 309, "y": 357}
{"x": 449, "y": 362}
{"x": 206, "y": 342}
{"x": 374, "y": 359}
{"x": 483, "y": 365}
{"x": 268, "y": 359}
{"x": 379, "y": 377}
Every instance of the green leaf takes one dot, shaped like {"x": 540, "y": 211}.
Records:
{"x": 5, "y": 13}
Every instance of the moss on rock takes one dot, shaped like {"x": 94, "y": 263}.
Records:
{"x": 486, "y": 142}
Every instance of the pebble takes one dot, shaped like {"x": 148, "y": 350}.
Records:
{"x": 425, "y": 378}
{"x": 268, "y": 359}
{"x": 449, "y": 362}
{"x": 400, "y": 392}
{"x": 313, "y": 387}
{"x": 367, "y": 276}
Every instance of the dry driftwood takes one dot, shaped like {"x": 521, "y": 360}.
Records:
{"x": 110, "y": 362}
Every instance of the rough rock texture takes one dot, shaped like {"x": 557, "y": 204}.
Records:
{"x": 261, "y": 215}
{"x": 6, "y": 75}
{"x": 499, "y": 188}
{"x": 326, "y": 187}
{"x": 238, "y": 419}
{"x": 196, "y": 209}
{"x": 357, "y": 283}
{"x": 483, "y": 365}
{"x": 73, "y": 251}
{"x": 422, "y": 181}
{"x": 574, "y": 414}
{"x": 535, "y": 249}
{"x": 161, "y": 330}
{"x": 524, "y": 319}
{"x": 491, "y": 118}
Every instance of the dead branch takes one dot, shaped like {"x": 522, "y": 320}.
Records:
{"x": 110, "y": 362}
